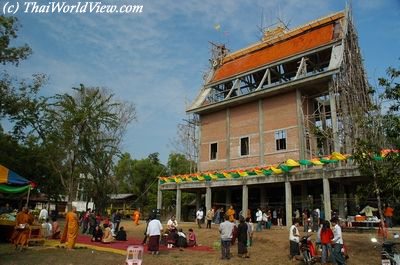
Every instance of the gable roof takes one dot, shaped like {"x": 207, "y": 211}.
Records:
{"x": 281, "y": 45}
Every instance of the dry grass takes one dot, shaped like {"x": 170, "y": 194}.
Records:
{"x": 269, "y": 247}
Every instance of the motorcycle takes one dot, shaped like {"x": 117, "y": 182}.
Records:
{"x": 307, "y": 249}
{"x": 390, "y": 254}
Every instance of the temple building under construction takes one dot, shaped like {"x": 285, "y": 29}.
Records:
{"x": 275, "y": 122}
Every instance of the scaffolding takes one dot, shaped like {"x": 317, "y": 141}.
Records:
{"x": 331, "y": 117}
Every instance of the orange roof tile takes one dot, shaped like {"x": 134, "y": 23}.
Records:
{"x": 312, "y": 35}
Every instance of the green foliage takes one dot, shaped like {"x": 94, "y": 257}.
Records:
{"x": 380, "y": 131}
{"x": 8, "y": 32}
{"x": 140, "y": 177}
{"x": 178, "y": 164}
{"x": 85, "y": 132}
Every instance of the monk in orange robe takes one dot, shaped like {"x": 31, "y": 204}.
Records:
{"x": 21, "y": 231}
{"x": 136, "y": 216}
{"x": 231, "y": 213}
{"x": 71, "y": 229}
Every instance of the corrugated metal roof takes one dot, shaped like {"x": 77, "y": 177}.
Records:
{"x": 120, "y": 196}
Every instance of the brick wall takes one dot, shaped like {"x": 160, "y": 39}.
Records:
{"x": 279, "y": 113}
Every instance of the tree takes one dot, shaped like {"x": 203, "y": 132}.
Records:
{"x": 8, "y": 32}
{"x": 101, "y": 142}
{"x": 378, "y": 133}
{"x": 19, "y": 103}
{"x": 140, "y": 177}
{"x": 83, "y": 132}
{"x": 178, "y": 164}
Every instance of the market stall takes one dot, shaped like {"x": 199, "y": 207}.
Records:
{"x": 11, "y": 183}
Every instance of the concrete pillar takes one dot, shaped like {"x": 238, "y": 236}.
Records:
{"x": 245, "y": 200}
{"x": 159, "y": 197}
{"x": 178, "y": 203}
{"x": 263, "y": 197}
{"x": 261, "y": 131}
{"x": 301, "y": 134}
{"x": 304, "y": 196}
{"x": 288, "y": 201}
{"x": 228, "y": 137}
{"x": 228, "y": 198}
{"x": 198, "y": 200}
{"x": 341, "y": 201}
{"x": 335, "y": 134}
{"x": 327, "y": 198}
{"x": 208, "y": 199}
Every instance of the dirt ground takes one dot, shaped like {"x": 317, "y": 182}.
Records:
{"x": 269, "y": 247}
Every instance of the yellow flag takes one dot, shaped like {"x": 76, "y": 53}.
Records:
{"x": 316, "y": 161}
{"x": 292, "y": 163}
{"x": 276, "y": 170}
{"x": 338, "y": 156}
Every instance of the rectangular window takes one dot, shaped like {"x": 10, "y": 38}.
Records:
{"x": 280, "y": 140}
{"x": 244, "y": 146}
{"x": 213, "y": 151}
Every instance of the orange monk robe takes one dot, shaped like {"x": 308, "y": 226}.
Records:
{"x": 21, "y": 236}
{"x": 231, "y": 214}
{"x": 136, "y": 216}
{"x": 71, "y": 230}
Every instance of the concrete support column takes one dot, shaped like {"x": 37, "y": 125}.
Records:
{"x": 198, "y": 200}
{"x": 263, "y": 197}
{"x": 228, "y": 198}
{"x": 288, "y": 201}
{"x": 327, "y": 198}
{"x": 261, "y": 130}
{"x": 304, "y": 196}
{"x": 245, "y": 200}
{"x": 341, "y": 201}
{"x": 228, "y": 137}
{"x": 159, "y": 197}
{"x": 300, "y": 122}
{"x": 332, "y": 105}
{"x": 208, "y": 199}
{"x": 178, "y": 203}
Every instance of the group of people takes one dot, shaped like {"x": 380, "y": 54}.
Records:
{"x": 330, "y": 240}
{"x": 229, "y": 232}
{"x": 175, "y": 237}
{"x": 265, "y": 218}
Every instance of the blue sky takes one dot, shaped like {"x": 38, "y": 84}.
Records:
{"x": 156, "y": 59}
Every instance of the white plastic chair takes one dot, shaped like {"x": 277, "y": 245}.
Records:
{"x": 134, "y": 255}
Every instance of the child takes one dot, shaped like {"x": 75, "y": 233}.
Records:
{"x": 97, "y": 234}
{"x": 192, "y": 238}
{"x": 56, "y": 232}
{"x": 121, "y": 234}
{"x": 46, "y": 229}
{"x": 181, "y": 242}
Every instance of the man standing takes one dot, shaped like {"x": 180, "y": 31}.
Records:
{"x": 337, "y": 243}
{"x": 388, "y": 213}
{"x": 117, "y": 220}
{"x": 209, "y": 217}
{"x": 154, "y": 229}
{"x": 43, "y": 215}
{"x": 259, "y": 215}
{"x": 294, "y": 239}
{"x": 231, "y": 213}
{"x": 136, "y": 216}
{"x": 225, "y": 230}
{"x": 368, "y": 211}
{"x": 71, "y": 229}
{"x": 199, "y": 216}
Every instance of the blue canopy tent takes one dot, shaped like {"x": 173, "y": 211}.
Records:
{"x": 11, "y": 182}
